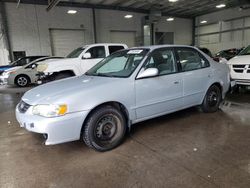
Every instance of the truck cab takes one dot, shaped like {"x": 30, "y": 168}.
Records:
{"x": 77, "y": 62}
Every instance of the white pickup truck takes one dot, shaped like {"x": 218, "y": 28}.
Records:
{"x": 77, "y": 62}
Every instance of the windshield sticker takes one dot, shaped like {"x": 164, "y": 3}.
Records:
{"x": 134, "y": 51}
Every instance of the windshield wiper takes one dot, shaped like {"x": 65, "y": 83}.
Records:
{"x": 88, "y": 74}
{"x": 98, "y": 74}
{"x": 103, "y": 74}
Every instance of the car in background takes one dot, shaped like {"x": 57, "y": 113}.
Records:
{"x": 20, "y": 62}
{"x": 25, "y": 75}
{"x": 127, "y": 87}
{"x": 206, "y": 51}
{"x": 217, "y": 59}
{"x": 240, "y": 68}
{"x": 228, "y": 54}
{"x": 77, "y": 62}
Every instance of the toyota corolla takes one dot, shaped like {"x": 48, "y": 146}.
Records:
{"x": 127, "y": 87}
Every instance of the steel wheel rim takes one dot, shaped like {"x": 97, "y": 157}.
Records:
{"x": 22, "y": 81}
{"x": 106, "y": 129}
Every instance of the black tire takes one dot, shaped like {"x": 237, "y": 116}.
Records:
{"x": 212, "y": 100}
{"x": 22, "y": 81}
{"x": 104, "y": 129}
{"x": 62, "y": 75}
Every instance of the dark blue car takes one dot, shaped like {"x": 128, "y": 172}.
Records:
{"x": 20, "y": 62}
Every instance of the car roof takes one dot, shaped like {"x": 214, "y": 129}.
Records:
{"x": 97, "y": 44}
{"x": 153, "y": 47}
{"x": 35, "y": 56}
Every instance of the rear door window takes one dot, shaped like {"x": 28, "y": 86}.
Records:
{"x": 97, "y": 52}
{"x": 113, "y": 49}
{"x": 191, "y": 59}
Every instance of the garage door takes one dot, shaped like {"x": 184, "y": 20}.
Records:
{"x": 64, "y": 41}
{"x": 126, "y": 37}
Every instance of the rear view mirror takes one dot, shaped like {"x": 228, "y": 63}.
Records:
{"x": 150, "y": 72}
{"x": 87, "y": 55}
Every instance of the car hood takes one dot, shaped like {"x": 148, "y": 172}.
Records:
{"x": 65, "y": 90}
{"x": 57, "y": 61}
{"x": 11, "y": 69}
{"x": 243, "y": 59}
{"x": 55, "y": 65}
{"x": 14, "y": 68}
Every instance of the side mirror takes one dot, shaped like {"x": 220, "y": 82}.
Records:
{"x": 33, "y": 66}
{"x": 150, "y": 72}
{"x": 87, "y": 55}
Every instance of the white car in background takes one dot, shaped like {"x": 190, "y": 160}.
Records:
{"x": 78, "y": 61}
{"x": 240, "y": 68}
{"x": 25, "y": 75}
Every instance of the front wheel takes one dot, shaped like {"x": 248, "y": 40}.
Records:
{"x": 104, "y": 129}
{"x": 212, "y": 99}
{"x": 22, "y": 81}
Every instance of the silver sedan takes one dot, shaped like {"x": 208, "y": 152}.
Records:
{"x": 127, "y": 87}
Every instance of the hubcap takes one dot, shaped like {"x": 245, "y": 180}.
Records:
{"x": 212, "y": 99}
{"x": 22, "y": 81}
{"x": 106, "y": 128}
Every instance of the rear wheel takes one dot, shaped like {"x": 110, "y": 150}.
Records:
{"x": 104, "y": 129}
{"x": 22, "y": 81}
{"x": 212, "y": 99}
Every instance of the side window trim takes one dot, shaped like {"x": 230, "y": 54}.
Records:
{"x": 192, "y": 49}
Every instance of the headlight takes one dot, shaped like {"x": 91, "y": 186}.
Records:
{"x": 42, "y": 67}
{"x": 50, "y": 110}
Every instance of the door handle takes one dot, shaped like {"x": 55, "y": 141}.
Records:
{"x": 176, "y": 82}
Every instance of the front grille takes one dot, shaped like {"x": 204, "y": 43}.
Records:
{"x": 23, "y": 107}
{"x": 241, "y": 68}
{"x": 238, "y": 70}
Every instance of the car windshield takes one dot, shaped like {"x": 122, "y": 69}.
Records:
{"x": 246, "y": 51}
{"x": 120, "y": 64}
{"x": 15, "y": 63}
{"x": 75, "y": 53}
{"x": 21, "y": 61}
{"x": 220, "y": 53}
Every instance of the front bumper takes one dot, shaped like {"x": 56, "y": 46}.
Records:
{"x": 58, "y": 129}
{"x": 242, "y": 82}
{"x": 3, "y": 80}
